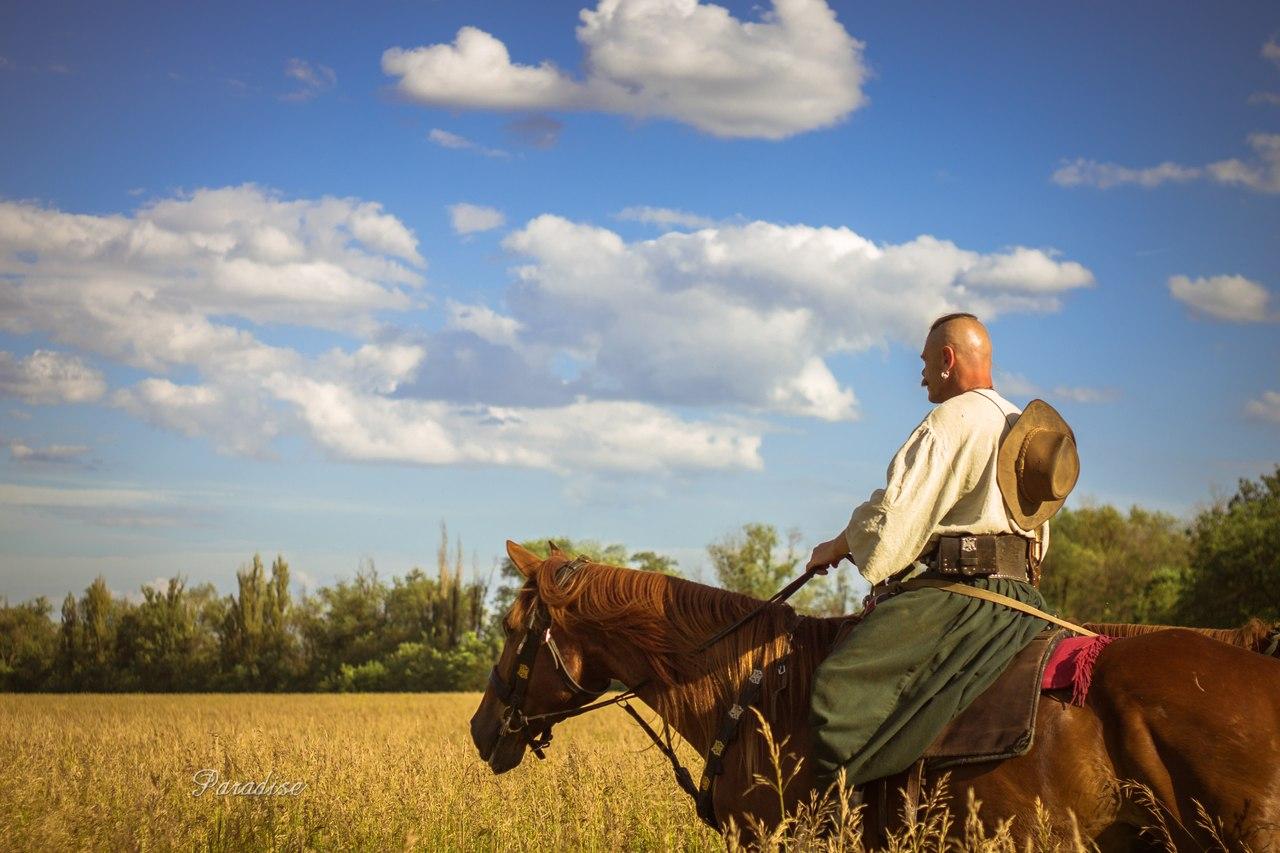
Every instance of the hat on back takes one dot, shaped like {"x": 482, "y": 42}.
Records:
{"x": 1037, "y": 465}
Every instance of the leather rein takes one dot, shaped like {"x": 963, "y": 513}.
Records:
{"x": 536, "y": 728}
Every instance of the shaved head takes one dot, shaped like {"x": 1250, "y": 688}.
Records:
{"x": 957, "y": 357}
{"x": 966, "y": 335}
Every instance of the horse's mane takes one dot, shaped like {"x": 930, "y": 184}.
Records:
{"x": 1249, "y": 636}
{"x": 661, "y": 620}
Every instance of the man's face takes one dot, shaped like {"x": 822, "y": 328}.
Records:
{"x": 931, "y": 372}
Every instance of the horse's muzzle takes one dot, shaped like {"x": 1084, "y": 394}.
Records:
{"x": 501, "y": 750}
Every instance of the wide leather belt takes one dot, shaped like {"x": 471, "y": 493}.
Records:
{"x": 998, "y": 555}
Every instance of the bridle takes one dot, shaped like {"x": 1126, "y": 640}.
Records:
{"x": 512, "y": 692}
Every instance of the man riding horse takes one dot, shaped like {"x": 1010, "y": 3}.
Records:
{"x": 968, "y": 499}
{"x": 1191, "y": 723}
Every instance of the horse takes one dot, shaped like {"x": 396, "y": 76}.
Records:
{"x": 1194, "y": 720}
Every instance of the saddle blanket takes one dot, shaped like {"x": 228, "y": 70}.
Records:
{"x": 1001, "y": 723}
{"x": 1071, "y": 665}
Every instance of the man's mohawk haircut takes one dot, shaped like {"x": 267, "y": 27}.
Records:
{"x": 947, "y": 318}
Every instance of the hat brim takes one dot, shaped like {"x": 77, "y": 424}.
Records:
{"x": 1027, "y": 514}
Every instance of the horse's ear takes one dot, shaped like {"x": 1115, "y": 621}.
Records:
{"x": 524, "y": 559}
{"x": 555, "y": 549}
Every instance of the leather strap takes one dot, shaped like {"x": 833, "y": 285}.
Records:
{"x": 997, "y": 598}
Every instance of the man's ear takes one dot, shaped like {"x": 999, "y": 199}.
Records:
{"x": 524, "y": 559}
{"x": 948, "y": 356}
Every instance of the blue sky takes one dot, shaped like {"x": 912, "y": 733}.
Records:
{"x": 310, "y": 279}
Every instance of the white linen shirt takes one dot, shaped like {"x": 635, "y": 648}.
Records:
{"x": 942, "y": 482}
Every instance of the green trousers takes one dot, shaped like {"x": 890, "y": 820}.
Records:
{"x": 910, "y": 667}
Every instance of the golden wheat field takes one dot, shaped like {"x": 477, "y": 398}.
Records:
{"x": 372, "y": 772}
{"x": 381, "y": 772}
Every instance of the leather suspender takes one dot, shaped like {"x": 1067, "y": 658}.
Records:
{"x": 988, "y": 595}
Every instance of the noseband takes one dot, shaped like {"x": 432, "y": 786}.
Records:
{"x": 512, "y": 692}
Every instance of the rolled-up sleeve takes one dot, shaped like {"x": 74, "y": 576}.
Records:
{"x": 889, "y": 531}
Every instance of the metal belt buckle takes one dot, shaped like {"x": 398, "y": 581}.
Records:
{"x": 969, "y": 555}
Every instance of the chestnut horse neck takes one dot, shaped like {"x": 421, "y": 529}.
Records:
{"x": 647, "y": 627}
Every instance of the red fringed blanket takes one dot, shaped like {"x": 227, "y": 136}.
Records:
{"x": 1071, "y": 665}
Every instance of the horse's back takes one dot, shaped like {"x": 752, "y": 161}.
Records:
{"x": 1190, "y": 718}
{"x": 1198, "y": 722}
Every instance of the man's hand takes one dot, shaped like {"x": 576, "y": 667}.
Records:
{"x": 828, "y": 555}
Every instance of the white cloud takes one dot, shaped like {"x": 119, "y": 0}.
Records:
{"x": 20, "y": 452}
{"x": 1261, "y": 173}
{"x": 794, "y": 70}
{"x": 747, "y": 314}
{"x": 597, "y": 336}
{"x": 484, "y": 323}
{"x": 1025, "y": 270}
{"x": 474, "y": 218}
{"x": 47, "y": 377}
{"x": 1014, "y": 384}
{"x": 380, "y": 368}
{"x": 1225, "y": 297}
{"x": 1018, "y": 385}
{"x": 665, "y": 217}
{"x": 1271, "y": 51}
{"x": 233, "y": 415}
{"x": 476, "y": 72}
{"x": 445, "y": 139}
{"x": 13, "y": 494}
{"x": 312, "y": 79}
{"x": 1272, "y": 98}
{"x": 1266, "y": 407}
{"x": 160, "y": 290}
{"x": 142, "y": 289}
{"x": 624, "y": 436}
{"x": 1081, "y": 172}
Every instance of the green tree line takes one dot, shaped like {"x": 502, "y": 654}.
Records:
{"x": 440, "y": 631}
{"x": 419, "y": 632}
{"x": 1218, "y": 571}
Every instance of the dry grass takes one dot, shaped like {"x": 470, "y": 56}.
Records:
{"x": 833, "y": 824}
{"x": 382, "y": 772}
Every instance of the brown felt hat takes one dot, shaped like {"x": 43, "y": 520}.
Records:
{"x": 1037, "y": 466}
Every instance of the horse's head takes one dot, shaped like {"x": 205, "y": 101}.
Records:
{"x": 542, "y": 671}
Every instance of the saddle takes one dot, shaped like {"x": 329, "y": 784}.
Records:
{"x": 999, "y": 724}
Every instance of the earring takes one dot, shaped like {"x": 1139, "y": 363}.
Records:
{"x": 946, "y": 374}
